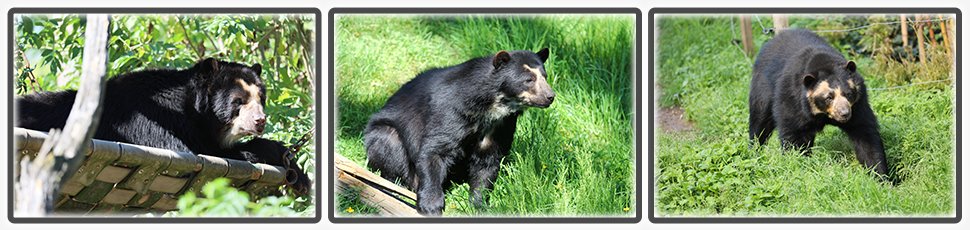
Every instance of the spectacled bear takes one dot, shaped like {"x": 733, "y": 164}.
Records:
{"x": 801, "y": 84}
{"x": 455, "y": 124}
{"x": 205, "y": 109}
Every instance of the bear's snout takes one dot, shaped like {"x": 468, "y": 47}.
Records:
{"x": 841, "y": 111}
{"x": 544, "y": 101}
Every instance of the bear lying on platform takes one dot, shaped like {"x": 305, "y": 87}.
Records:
{"x": 206, "y": 109}
{"x": 800, "y": 85}
{"x": 455, "y": 124}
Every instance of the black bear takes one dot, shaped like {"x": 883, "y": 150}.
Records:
{"x": 455, "y": 124}
{"x": 799, "y": 85}
{"x": 205, "y": 109}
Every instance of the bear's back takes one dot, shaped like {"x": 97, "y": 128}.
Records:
{"x": 789, "y": 47}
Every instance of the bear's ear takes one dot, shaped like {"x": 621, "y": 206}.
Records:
{"x": 850, "y": 66}
{"x": 257, "y": 68}
{"x": 209, "y": 64}
{"x": 501, "y": 58}
{"x": 809, "y": 80}
{"x": 543, "y": 54}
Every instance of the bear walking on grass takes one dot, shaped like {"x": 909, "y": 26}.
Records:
{"x": 800, "y": 85}
{"x": 206, "y": 109}
{"x": 455, "y": 124}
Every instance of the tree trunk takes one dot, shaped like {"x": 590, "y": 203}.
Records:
{"x": 40, "y": 179}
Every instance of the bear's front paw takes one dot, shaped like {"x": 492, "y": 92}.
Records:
{"x": 430, "y": 208}
{"x": 300, "y": 184}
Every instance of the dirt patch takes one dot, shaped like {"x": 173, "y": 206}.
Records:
{"x": 672, "y": 119}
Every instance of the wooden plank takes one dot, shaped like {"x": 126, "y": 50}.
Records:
{"x": 344, "y": 164}
{"x": 388, "y": 205}
{"x": 353, "y": 177}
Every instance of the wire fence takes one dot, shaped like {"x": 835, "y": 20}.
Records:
{"x": 769, "y": 30}
{"x": 911, "y": 84}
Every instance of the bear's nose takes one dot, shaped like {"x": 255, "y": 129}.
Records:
{"x": 260, "y": 124}
{"x": 550, "y": 98}
{"x": 844, "y": 114}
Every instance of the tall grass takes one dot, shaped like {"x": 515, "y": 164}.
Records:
{"x": 574, "y": 158}
{"x": 711, "y": 171}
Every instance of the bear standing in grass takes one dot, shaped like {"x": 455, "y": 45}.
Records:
{"x": 455, "y": 124}
{"x": 801, "y": 84}
{"x": 205, "y": 109}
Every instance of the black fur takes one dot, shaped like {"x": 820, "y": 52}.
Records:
{"x": 450, "y": 124}
{"x": 788, "y": 69}
{"x": 181, "y": 110}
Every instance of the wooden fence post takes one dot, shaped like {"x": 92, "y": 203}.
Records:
{"x": 945, "y": 32}
{"x": 919, "y": 40}
{"x": 780, "y": 21}
{"x": 905, "y": 29}
{"x": 932, "y": 36}
{"x": 746, "y": 37}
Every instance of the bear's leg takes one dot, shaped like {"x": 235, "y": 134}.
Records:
{"x": 438, "y": 153}
{"x": 760, "y": 122}
{"x": 801, "y": 140}
{"x": 431, "y": 170}
{"x": 386, "y": 153}
{"x": 482, "y": 172}
{"x": 863, "y": 130}
{"x": 484, "y": 164}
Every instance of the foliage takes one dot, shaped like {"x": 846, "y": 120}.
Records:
{"x": 49, "y": 49}
{"x": 219, "y": 199}
{"x": 574, "y": 158}
{"x": 711, "y": 171}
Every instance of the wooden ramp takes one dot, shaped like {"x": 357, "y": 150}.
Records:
{"x": 124, "y": 178}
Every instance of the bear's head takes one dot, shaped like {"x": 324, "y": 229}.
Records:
{"x": 524, "y": 77}
{"x": 832, "y": 86}
{"x": 234, "y": 96}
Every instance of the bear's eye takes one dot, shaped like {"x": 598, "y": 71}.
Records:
{"x": 237, "y": 101}
{"x": 829, "y": 97}
{"x": 531, "y": 78}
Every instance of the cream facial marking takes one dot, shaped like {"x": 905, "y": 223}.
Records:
{"x": 534, "y": 71}
{"x": 540, "y": 82}
{"x": 525, "y": 96}
{"x": 838, "y": 102}
{"x": 821, "y": 89}
{"x": 249, "y": 111}
{"x": 252, "y": 90}
{"x": 831, "y": 109}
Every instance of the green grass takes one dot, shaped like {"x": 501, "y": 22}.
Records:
{"x": 710, "y": 171}
{"x": 572, "y": 159}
